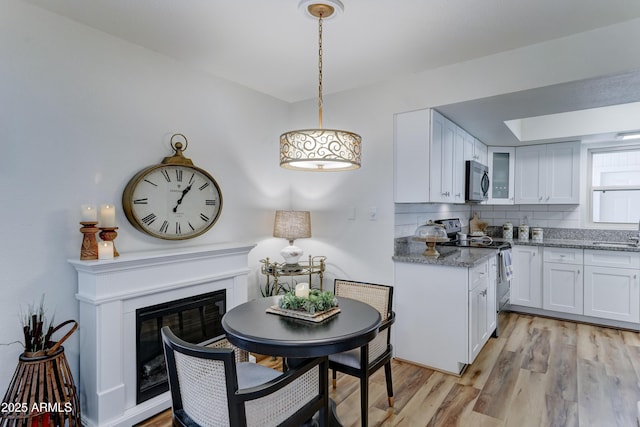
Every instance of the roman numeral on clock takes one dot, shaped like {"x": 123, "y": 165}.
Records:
{"x": 164, "y": 227}
{"x": 178, "y": 230}
{"x": 152, "y": 183}
{"x": 140, "y": 201}
{"x": 204, "y": 217}
{"x": 165, "y": 173}
{"x": 203, "y": 186}
{"x": 179, "y": 175}
{"x": 210, "y": 202}
{"x": 149, "y": 219}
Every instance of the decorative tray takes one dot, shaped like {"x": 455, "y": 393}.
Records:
{"x": 304, "y": 315}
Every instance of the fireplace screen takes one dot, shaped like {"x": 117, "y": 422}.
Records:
{"x": 195, "y": 319}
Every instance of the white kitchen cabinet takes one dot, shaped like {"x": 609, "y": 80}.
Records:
{"x": 548, "y": 173}
{"x": 474, "y": 149}
{"x": 481, "y": 151}
{"x": 447, "y": 313}
{"x": 428, "y": 159}
{"x": 562, "y": 280}
{"x": 526, "y": 283}
{"x": 611, "y": 285}
{"x": 501, "y": 163}
{"x": 446, "y": 167}
{"x": 482, "y": 306}
{"x": 412, "y": 156}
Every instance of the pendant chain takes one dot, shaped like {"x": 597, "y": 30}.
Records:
{"x": 320, "y": 71}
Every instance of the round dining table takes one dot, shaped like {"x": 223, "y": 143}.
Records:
{"x": 249, "y": 326}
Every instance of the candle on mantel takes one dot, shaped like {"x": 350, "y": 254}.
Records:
{"x": 105, "y": 250}
{"x": 89, "y": 213}
{"x": 107, "y": 216}
{"x": 302, "y": 290}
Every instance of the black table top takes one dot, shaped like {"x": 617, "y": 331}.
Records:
{"x": 249, "y": 327}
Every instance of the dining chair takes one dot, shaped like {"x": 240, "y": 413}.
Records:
{"x": 215, "y": 385}
{"x": 359, "y": 363}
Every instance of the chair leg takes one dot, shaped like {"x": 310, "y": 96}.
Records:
{"x": 387, "y": 374}
{"x": 333, "y": 378}
{"x": 364, "y": 400}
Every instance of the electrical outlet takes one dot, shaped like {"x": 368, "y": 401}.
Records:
{"x": 373, "y": 213}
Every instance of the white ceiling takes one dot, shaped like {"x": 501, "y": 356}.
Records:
{"x": 271, "y": 46}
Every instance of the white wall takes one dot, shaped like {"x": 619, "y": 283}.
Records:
{"x": 81, "y": 112}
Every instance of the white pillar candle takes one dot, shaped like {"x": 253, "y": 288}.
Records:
{"x": 105, "y": 250}
{"x": 89, "y": 213}
{"x": 107, "y": 216}
{"x": 302, "y": 290}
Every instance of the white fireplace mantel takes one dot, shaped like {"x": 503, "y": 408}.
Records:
{"x": 110, "y": 291}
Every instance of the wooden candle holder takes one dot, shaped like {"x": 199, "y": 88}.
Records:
{"x": 109, "y": 234}
{"x": 89, "y": 248}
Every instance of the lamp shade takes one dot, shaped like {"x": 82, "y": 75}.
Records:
{"x": 292, "y": 225}
{"x": 320, "y": 150}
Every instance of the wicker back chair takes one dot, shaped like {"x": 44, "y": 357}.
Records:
{"x": 214, "y": 386}
{"x": 359, "y": 363}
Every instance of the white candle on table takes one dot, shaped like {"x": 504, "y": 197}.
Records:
{"x": 105, "y": 250}
{"x": 107, "y": 216}
{"x": 89, "y": 213}
{"x": 302, "y": 290}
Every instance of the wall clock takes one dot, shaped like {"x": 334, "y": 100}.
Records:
{"x": 173, "y": 200}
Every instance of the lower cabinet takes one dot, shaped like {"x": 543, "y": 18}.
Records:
{"x": 562, "y": 286}
{"x": 600, "y": 284}
{"x": 611, "y": 285}
{"x": 448, "y": 313}
{"x": 526, "y": 284}
{"x": 482, "y": 306}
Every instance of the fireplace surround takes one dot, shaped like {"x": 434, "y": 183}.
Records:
{"x": 109, "y": 294}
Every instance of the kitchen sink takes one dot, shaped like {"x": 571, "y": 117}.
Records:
{"x": 617, "y": 244}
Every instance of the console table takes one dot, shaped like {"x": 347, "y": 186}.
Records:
{"x": 273, "y": 270}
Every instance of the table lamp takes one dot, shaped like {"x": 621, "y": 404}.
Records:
{"x": 292, "y": 225}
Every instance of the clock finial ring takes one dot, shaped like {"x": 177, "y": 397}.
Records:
{"x": 177, "y": 146}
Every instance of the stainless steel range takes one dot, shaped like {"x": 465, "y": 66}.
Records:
{"x": 503, "y": 282}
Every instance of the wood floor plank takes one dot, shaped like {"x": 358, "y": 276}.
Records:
{"x": 497, "y": 392}
{"x": 536, "y": 354}
{"x": 457, "y": 400}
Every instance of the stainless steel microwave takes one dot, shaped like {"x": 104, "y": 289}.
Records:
{"x": 477, "y": 182}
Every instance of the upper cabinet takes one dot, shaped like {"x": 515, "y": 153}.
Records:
{"x": 474, "y": 149}
{"x": 501, "y": 163}
{"x": 548, "y": 174}
{"x": 428, "y": 158}
{"x": 411, "y": 156}
{"x": 447, "y": 163}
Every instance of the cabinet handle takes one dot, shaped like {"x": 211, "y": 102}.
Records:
{"x": 548, "y": 197}
{"x": 458, "y": 195}
{"x": 540, "y": 198}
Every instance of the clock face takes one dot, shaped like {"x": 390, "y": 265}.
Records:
{"x": 172, "y": 202}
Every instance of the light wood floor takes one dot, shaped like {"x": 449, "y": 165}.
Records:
{"x": 539, "y": 372}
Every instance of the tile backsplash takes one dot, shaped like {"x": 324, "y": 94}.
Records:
{"x": 408, "y": 216}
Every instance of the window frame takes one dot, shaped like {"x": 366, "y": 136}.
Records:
{"x": 635, "y": 146}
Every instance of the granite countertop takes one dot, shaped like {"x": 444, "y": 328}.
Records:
{"x": 410, "y": 251}
{"x": 577, "y": 244}
{"x": 449, "y": 255}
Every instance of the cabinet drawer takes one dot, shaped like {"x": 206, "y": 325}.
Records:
{"x": 563, "y": 255}
{"x": 619, "y": 259}
{"x": 478, "y": 274}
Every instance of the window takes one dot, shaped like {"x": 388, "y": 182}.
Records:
{"x": 615, "y": 185}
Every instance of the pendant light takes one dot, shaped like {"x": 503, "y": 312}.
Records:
{"x": 320, "y": 149}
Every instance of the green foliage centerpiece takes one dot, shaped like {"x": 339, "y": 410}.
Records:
{"x": 316, "y": 302}
{"x": 316, "y": 307}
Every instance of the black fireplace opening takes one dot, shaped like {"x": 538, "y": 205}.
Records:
{"x": 195, "y": 319}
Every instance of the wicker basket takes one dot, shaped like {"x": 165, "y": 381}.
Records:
{"x": 42, "y": 392}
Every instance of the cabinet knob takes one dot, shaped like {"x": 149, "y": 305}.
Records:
{"x": 540, "y": 198}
